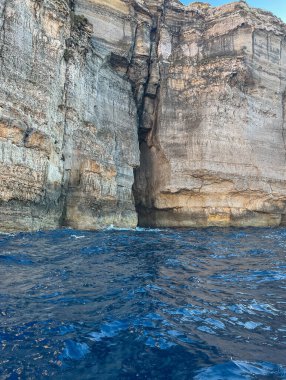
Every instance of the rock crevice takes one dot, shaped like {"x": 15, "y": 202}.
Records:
{"x": 176, "y": 110}
{"x": 218, "y": 148}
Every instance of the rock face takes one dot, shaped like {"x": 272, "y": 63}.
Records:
{"x": 213, "y": 151}
{"x": 68, "y": 120}
{"x": 85, "y": 83}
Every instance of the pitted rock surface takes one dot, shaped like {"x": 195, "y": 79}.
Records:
{"x": 85, "y": 83}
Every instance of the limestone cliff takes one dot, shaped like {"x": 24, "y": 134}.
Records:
{"x": 213, "y": 135}
{"x": 203, "y": 88}
{"x": 68, "y": 129}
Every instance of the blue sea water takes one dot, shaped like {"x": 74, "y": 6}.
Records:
{"x": 143, "y": 304}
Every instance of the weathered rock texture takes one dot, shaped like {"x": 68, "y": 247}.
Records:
{"x": 68, "y": 131}
{"x": 204, "y": 89}
{"x": 213, "y": 133}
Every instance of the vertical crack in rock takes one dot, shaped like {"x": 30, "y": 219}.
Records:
{"x": 131, "y": 55}
{"x": 143, "y": 187}
{"x": 197, "y": 87}
{"x": 202, "y": 135}
{"x": 65, "y": 177}
{"x": 153, "y": 65}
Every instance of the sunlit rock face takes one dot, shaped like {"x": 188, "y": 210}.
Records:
{"x": 85, "y": 83}
{"x": 213, "y": 151}
{"x": 68, "y": 119}
{"x": 102, "y": 147}
{"x": 32, "y": 116}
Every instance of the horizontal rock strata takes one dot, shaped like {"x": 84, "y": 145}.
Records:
{"x": 213, "y": 135}
{"x": 68, "y": 120}
{"x": 85, "y": 83}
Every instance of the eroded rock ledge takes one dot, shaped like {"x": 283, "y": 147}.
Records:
{"x": 203, "y": 88}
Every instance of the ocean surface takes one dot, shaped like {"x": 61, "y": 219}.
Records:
{"x": 143, "y": 304}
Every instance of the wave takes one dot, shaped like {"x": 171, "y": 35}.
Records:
{"x": 136, "y": 229}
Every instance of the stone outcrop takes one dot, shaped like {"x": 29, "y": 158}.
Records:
{"x": 213, "y": 135}
{"x": 68, "y": 131}
{"x": 85, "y": 83}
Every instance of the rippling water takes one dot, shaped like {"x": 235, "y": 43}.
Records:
{"x": 146, "y": 304}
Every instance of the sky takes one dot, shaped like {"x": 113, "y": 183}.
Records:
{"x": 278, "y": 7}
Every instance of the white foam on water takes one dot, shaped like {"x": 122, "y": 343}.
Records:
{"x": 113, "y": 228}
{"x": 7, "y": 234}
{"x": 142, "y": 229}
{"x": 78, "y": 236}
{"x": 136, "y": 229}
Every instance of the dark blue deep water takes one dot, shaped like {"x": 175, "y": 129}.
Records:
{"x": 145, "y": 304}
